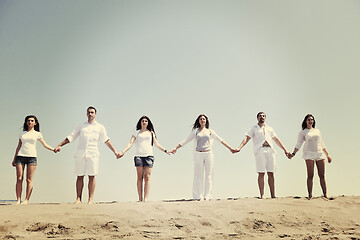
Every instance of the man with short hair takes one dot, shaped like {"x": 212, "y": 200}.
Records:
{"x": 87, "y": 155}
{"x": 264, "y": 151}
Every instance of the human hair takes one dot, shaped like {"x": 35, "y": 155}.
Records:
{"x": 304, "y": 125}
{"x": 149, "y": 127}
{"x": 197, "y": 124}
{"x": 91, "y": 107}
{"x": 259, "y": 114}
{"x": 37, "y": 125}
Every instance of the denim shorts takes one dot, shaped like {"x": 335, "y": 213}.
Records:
{"x": 25, "y": 160}
{"x": 144, "y": 161}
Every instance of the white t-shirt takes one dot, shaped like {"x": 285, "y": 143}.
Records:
{"x": 314, "y": 145}
{"x": 260, "y": 135}
{"x": 28, "y": 143}
{"x": 143, "y": 147}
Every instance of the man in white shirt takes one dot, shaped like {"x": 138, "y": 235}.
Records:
{"x": 264, "y": 152}
{"x": 87, "y": 155}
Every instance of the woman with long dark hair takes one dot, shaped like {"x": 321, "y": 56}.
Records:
{"x": 203, "y": 158}
{"x": 144, "y": 138}
{"x": 313, "y": 152}
{"x": 25, "y": 155}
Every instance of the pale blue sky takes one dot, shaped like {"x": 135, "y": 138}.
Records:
{"x": 172, "y": 60}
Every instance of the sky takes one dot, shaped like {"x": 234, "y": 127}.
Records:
{"x": 171, "y": 61}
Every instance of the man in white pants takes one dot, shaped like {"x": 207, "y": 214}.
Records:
{"x": 87, "y": 155}
{"x": 264, "y": 152}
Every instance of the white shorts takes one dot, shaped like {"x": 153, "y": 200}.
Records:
{"x": 86, "y": 166}
{"x": 265, "y": 160}
{"x": 314, "y": 156}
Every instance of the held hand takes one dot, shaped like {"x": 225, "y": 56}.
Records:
{"x": 167, "y": 152}
{"x": 329, "y": 159}
{"x": 287, "y": 153}
{"x": 236, "y": 150}
{"x": 57, "y": 149}
{"x": 119, "y": 155}
{"x": 172, "y": 151}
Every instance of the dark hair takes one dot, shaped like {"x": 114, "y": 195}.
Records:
{"x": 149, "y": 127}
{"x": 304, "y": 125}
{"x": 197, "y": 124}
{"x": 37, "y": 125}
{"x": 259, "y": 114}
{"x": 91, "y": 108}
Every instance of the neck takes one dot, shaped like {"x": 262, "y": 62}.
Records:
{"x": 30, "y": 129}
{"x": 261, "y": 124}
{"x": 91, "y": 120}
{"x": 143, "y": 129}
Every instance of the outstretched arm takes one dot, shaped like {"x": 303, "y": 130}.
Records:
{"x": 47, "y": 146}
{"x": 242, "y": 144}
{"x": 109, "y": 144}
{"x": 17, "y": 151}
{"x": 278, "y": 142}
{"x": 132, "y": 139}
{"x": 58, "y": 148}
{"x": 157, "y": 144}
{"x": 228, "y": 147}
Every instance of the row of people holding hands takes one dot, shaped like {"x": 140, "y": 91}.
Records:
{"x": 90, "y": 133}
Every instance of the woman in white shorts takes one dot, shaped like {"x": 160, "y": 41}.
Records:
{"x": 25, "y": 155}
{"x": 144, "y": 138}
{"x": 313, "y": 152}
{"x": 203, "y": 158}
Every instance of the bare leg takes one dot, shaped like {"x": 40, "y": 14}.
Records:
{"x": 310, "y": 176}
{"x": 19, "y": 181}
{"x": 321, "y": 172}
{"x": 140, "y": 177}
{"x": 29, "y": 182}
{"x": 91, "y": 187}
{"x": 147, "y": 173}
{"x": 79, "y": 188}
{"x": 261, "y": 184}
{"x": 271, "y": 182}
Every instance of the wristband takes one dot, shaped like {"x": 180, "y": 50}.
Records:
{"x": 165, "y": 151}
{"x": 293, "y": 153}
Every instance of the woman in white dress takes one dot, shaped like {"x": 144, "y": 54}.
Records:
{"x": 144, "y": 138}
{"x": 203, "y": 157}
{"x": 25, "y": 155}
{"x": 313, "y": 152}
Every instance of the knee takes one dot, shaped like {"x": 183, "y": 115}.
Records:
{"x": 147, "y": 178}
{"x": 28, "y": 180}
{"x": 20, "y": 179}
{"x": 321, "y": 176}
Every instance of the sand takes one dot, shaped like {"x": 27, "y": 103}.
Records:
{"x": 244, "y": 218}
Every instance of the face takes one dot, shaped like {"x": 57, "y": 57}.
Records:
{"x": 261, "y": 118}
{"x": 144, "y": 123}
{"x": 31, "y": 123}
{"x": 91, "y": 114}
{"x": 310, "y": 122}
{"x": 202, "y": 121}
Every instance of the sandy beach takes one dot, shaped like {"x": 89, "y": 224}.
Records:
{"x": 243, "y": 218}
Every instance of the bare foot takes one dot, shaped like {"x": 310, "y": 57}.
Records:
{"x": 90, "y": 201}
{"x": 77, "y": 201}
{"x": 25, "y": 202}
{"x": 18, "y": 202}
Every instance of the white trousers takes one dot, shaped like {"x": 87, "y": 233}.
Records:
{"x": 203, "y": 163}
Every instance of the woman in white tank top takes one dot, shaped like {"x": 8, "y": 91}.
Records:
{"x": 144, "y": 138}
